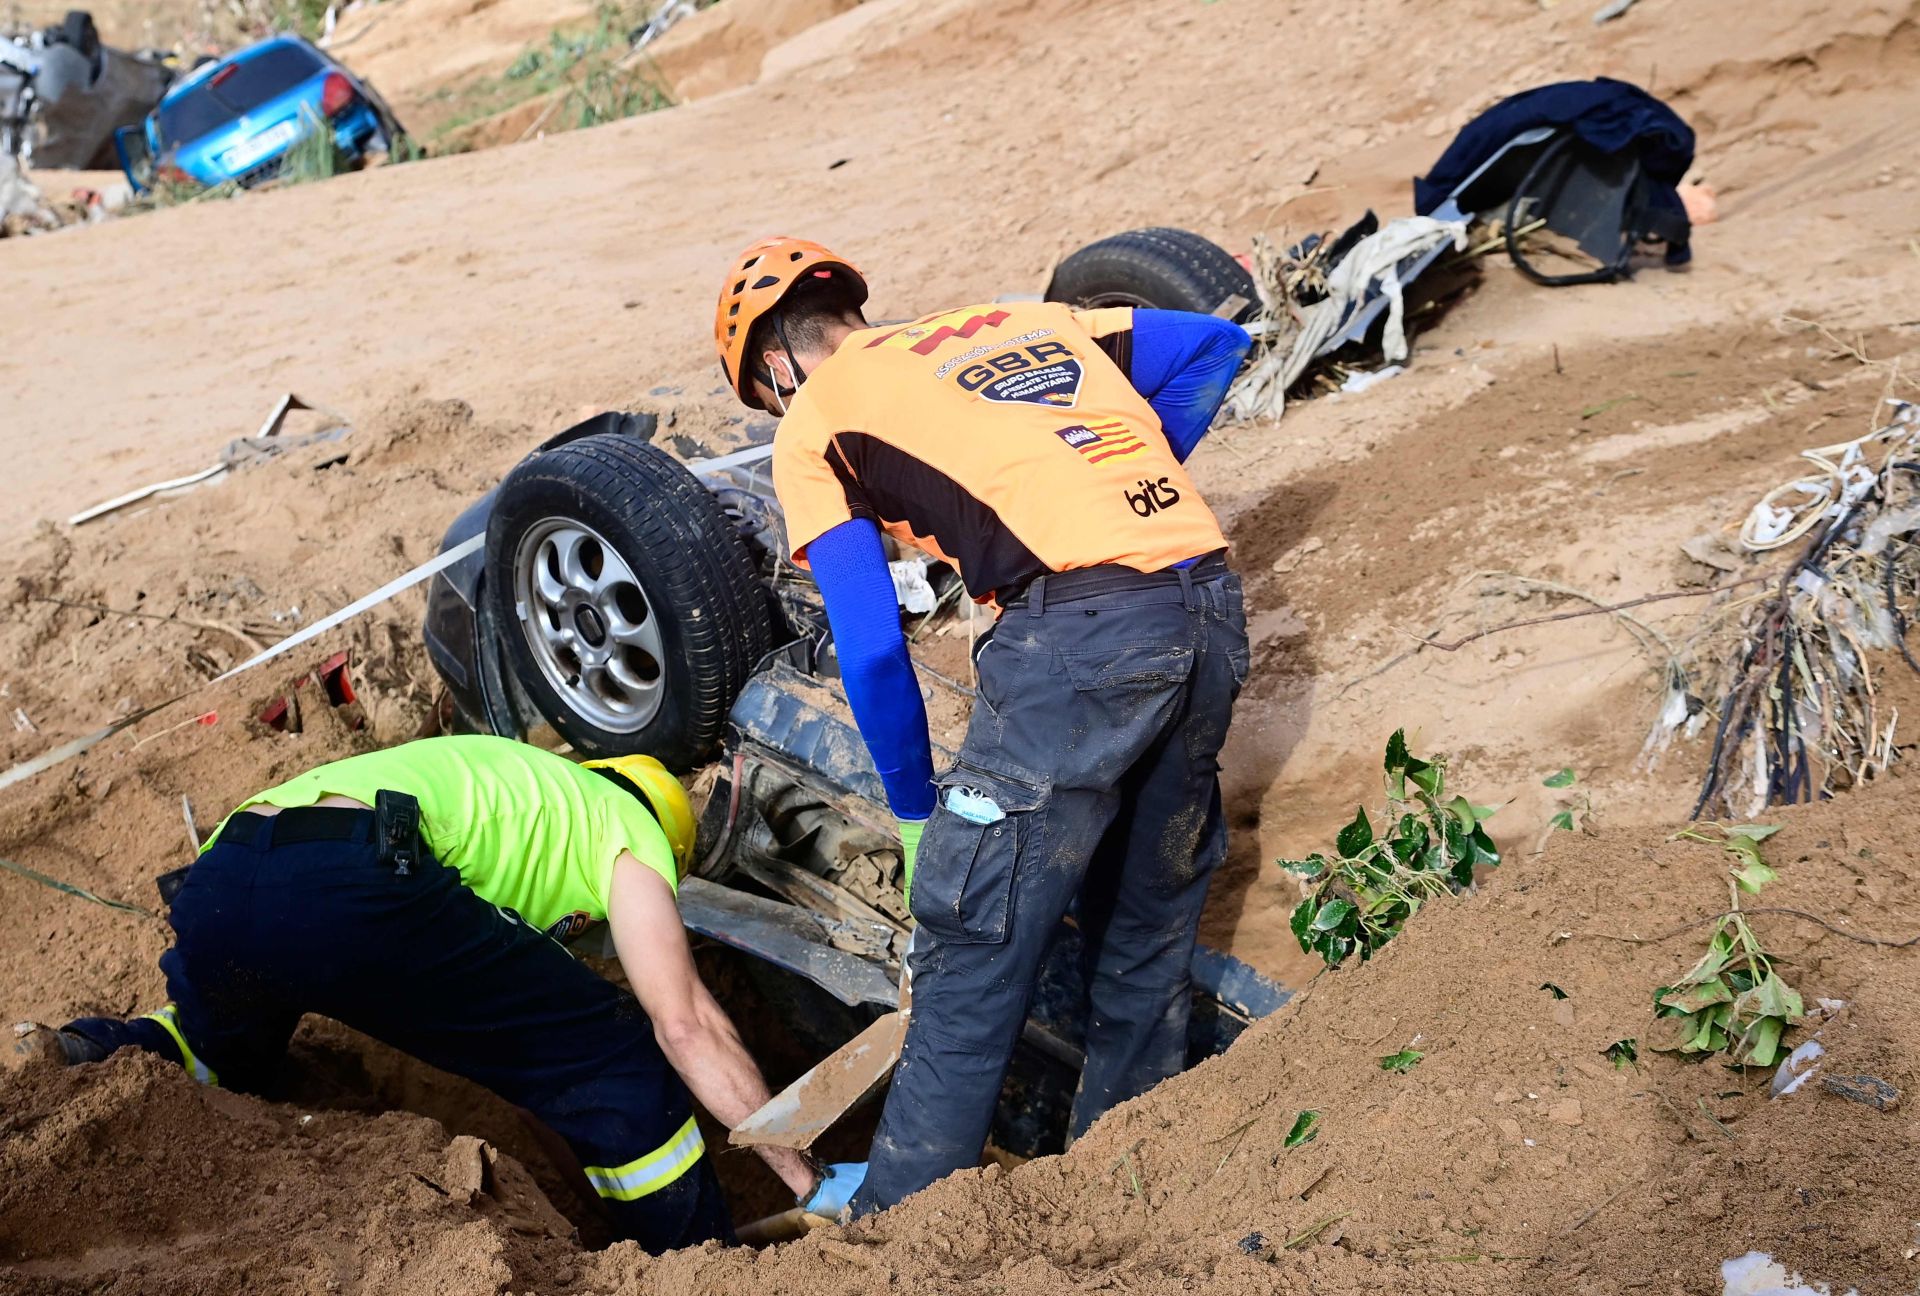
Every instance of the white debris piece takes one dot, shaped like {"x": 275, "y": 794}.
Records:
{"x": 1797, "y": 1068}
{"x": 1758, "y": 1274}
{"x": 1261, "y": 391}
{"x": 910, "y": 587}
{"x": 1361, "y": 379}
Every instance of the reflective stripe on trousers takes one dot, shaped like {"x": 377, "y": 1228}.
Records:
{"x": 653, "y": 1171}
{"x": 168, "y": 1019}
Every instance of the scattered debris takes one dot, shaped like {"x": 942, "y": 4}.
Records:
{"x": 1801, "y": 715}
{"x": 262, "y": 445}
{"x": 1361, "y": 379}
{"x": 1796, "y": 1069}
{"x": 1611, "y": 10}
{"x": 68, "y": 888}
{"x": 1869, "y": 1090}
{"x": 1758, "y": 1274}
{"x": 1282, "y": 352}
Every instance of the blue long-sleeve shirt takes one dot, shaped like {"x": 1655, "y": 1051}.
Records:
{"x": 1181, "y": 363}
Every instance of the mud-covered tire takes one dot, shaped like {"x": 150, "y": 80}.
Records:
{"x": 1159, "y": 268}
{"x": 704, "y": 617}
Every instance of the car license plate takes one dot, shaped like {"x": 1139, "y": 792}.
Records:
{"x": 245, "y": 154}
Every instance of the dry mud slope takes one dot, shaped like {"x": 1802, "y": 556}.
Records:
{"x": 1513, "y": 1158}
{"x": 459, "y": 310}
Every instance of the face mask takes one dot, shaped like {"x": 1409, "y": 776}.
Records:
{"x": 779, "y": 397}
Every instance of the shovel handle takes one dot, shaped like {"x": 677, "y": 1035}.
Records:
{"x": 784, "y": 1227}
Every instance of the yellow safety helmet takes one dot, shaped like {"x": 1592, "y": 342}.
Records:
{"x": 665, "y": 797}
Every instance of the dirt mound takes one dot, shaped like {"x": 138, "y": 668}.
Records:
{"x": 129, "y": 1177}
{"x": 1514, "y": 1156}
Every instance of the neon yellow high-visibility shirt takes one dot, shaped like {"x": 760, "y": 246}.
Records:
{"x": 528, "y": 830}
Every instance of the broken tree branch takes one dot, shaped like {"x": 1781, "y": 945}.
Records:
{"x": 1596, "y": 610}
{"x": 102, "y": 609}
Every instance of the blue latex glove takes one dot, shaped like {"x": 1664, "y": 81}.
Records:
{"x": 838, "y": 1183}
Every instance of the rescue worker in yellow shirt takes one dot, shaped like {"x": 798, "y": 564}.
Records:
{"x": 1038, "y": 450}
{"x": 420, "y": 894}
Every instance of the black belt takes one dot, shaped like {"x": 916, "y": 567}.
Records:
{"x": 1091, "y": 582}
{"x": 393, "y": 825}
{"x": 299, "y": 824}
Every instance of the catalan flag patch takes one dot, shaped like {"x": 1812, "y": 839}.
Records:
{"x": 1098, "y": 441}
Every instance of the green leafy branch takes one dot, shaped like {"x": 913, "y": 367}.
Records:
{"x": 1429, "y": 845}
{"x": 1575, "y": 807}
{"x": 1732, "y": 1000}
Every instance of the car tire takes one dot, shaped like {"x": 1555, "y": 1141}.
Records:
{"x": 1159, "y": 268}
{"x": 505, "y": 709}
{"x": 630, "y": 612}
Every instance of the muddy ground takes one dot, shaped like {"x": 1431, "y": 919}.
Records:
{"x": 459, "y": 310}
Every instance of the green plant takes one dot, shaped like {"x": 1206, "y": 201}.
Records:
{"x": 1623, "y": 1053}
{"x": 1731, "y": 1000}
{"x": 314, "y": 156}
{"x": 1574, "y": 808}
{"x": 306, "y": 17}
{"x": 1402, "y": 1062}
{"x": 1742, "y": 841}
{"x": 587, "y": 75}
{"x": 1306, "y": 1126}
{"x": 613, "y": 94}
{"x": 1430, "y": 846}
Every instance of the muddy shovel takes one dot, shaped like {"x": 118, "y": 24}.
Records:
{"x": 808, "y": 1107}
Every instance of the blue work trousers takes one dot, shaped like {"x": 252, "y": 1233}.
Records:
{"x": 1090, "y": 770}
{"x": 297, "y": 913}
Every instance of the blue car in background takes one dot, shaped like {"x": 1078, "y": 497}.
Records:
{"x": 236, "y": 118}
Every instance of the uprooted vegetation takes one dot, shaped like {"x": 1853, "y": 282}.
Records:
{"x": 1428, "y": 845}
{"x": 580, "y": 76}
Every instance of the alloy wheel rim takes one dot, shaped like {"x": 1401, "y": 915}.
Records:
{"x": 591, "y": 627}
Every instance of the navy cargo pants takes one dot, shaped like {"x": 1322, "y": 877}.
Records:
{"x": 1090, "y": 770}
{"x": 296, "y": 913}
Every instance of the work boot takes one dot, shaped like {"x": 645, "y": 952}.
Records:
{"x": 35, "y": 1046}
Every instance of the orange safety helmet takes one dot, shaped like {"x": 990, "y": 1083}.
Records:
{"x": 758, "y": 282}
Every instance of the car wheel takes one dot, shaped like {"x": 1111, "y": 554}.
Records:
{"x": 630, "y": 611}
{"x": 1160, "y": 268}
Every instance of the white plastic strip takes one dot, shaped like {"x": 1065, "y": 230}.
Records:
{"x": 471, "y": 544}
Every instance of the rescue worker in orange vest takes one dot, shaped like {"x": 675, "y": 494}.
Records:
{"x": 1038, "y": 450}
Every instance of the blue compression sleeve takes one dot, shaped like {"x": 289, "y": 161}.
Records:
{"x": 1183, "y": 364}
{"x": 851, "y": 569}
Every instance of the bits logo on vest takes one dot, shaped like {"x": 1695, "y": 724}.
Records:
{"x": 1153, "y": 496}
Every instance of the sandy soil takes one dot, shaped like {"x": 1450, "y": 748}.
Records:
{"x": 461, "y": 309}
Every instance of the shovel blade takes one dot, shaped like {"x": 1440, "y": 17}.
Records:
{"x": 808, "y": 1107}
